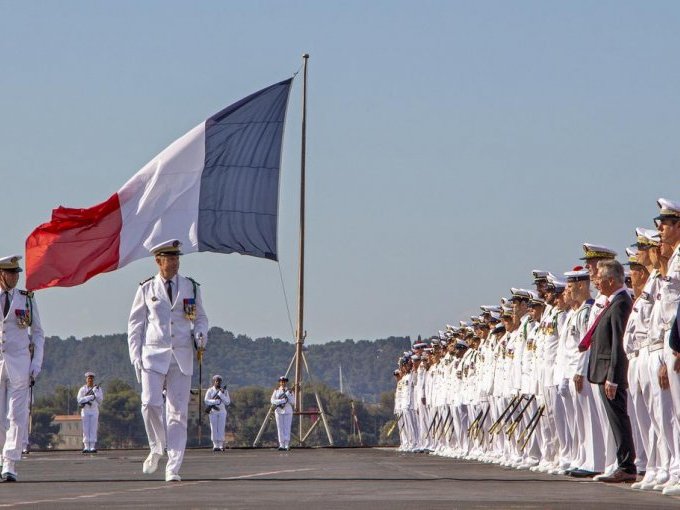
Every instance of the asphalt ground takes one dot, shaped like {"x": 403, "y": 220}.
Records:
{"x": 325, "y": 478}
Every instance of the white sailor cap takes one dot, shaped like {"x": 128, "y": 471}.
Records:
{"x": 647, "y": 238}
{"x": 507, "y": 312}
{"x": 498, "y": 328}
{"x": 504, "y": 302}
{"x": 216, "y": 377}
{"x": 396, "y": 372}
{"x": 536, "y": 300}
{"x": 539, "y": 275}
{"x": 88, "y": 374}
{"x": 596, "y": 251}
{"x": 495, "y": 316}
{"x": 419, "y": 345}
{"x": 632, "y": 254}
{"x": 169, "y": 247}
{"x": 461, "y": 343}
{"x": 464, "y": 324}
{"x": 668, "y": 209}
{"x": 415, "y": 357}
{"x": 555, "y": 283}
{"x": 490, "y": 308}
{"x": 578, "y": 274}
{"x": 520, "y": 294}
{"x": 11, "y": 264}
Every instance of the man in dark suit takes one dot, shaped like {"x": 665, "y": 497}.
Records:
{"x": 608, "y": 366}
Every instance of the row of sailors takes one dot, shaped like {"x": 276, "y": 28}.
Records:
{"x": 511, "y": 386}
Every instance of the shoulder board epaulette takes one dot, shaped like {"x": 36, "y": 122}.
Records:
{"x": 27, "y": 293}
{"x": 193, "y": 281}
{"x": 147, "y": 280}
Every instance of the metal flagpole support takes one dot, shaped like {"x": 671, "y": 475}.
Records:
{"x": 300, "y": 335}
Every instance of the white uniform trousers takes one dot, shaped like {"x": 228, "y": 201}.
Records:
{"x": 565, "y": 420}
{"x": 218, "y": 422}
{"x": 674, "y": 379}
{"x": 660, "y": 408}
{"x": 283, "y": 424}
{"x": 178, "y": 387}
{"x": 655, "y": 449}
{"x": 549, "y": 439}
{"x": 637, "y": 411}
{"x": 14, "y": 414}
{"x": 90, "y": 422}
{"x": 588, "y": 442}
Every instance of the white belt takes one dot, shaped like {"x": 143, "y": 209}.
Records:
{"x": 633, "y": 354}
{"x": 655, "y": 346}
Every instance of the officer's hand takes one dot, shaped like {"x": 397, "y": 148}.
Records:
{"x": 676, "y": 363}
{"x": 563, "y": 388}
{"x": 34, "y": 371}
{"x": 200, "y": 341}
{"x": 423, "y": 400}
{"x": 663, "y": 377}
{"x": 578, "y": 383}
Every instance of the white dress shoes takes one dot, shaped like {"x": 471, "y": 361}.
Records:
{"x": 151, "y": 463}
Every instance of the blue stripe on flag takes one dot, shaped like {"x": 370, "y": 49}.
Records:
{"x": 238, "y": 204}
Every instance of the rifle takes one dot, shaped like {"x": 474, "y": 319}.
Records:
{"x": 499, "y": 422}
{"x": 90, "y": 392}
{"x": 215, "y": 407}
{"x": 447, "y": 420}
{"x": 511, "y": 429}
{"x": 479, "y": 428}
{"x": 436, "y": 415}
{"x": 474, "y": 423}
{"x": 533, "y": 426}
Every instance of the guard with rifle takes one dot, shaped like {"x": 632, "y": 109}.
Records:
{"x": 284, "y": 400}
{"x": 216, "y": 401}
{"x": 90, "y": 397}
{"x": 19, "y": 328}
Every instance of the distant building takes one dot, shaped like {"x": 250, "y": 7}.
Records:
{"x": 70, "y": 435}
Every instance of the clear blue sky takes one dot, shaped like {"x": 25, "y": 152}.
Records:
{"x": 452, "y": 146}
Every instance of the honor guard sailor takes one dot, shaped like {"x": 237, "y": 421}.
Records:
{"x": 20, "y": 327}
{"x": 217, "y": 399}
{"x": 167, "y": 322}
{"x": 90, "y": 397}
{"x": 284, "y": 400}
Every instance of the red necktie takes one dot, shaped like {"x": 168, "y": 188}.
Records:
{"x": 588, "y": 338}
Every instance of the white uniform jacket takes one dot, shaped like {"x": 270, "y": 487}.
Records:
{"x": 284, "y": 400}
{"x": 15, "y": 338}
{"x": 159, "y": 330}
{"x": 218, "y": 398}
{"x": 90, "y": 403}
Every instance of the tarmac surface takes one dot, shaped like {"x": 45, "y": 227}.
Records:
{"x": 328, "y": 478}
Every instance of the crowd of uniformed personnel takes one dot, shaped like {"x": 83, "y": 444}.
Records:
{"x": 518, "y": 385}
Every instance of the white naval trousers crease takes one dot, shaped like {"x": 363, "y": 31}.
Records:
{"x": 178, "y": 387}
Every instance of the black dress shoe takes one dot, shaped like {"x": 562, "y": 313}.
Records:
{"x": 216, "y": 449}
{"x": 582, "y": 473}
{"x": 85, "y": 450}
{"x": 9, "y": 477}
{"x": 93, "y": 450}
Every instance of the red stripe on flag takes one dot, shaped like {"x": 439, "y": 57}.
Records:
{"x": 75, "y": 246}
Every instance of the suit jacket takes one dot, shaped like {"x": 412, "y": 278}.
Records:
{"x": 608, "y": 360}
{"x": 674, "y": 339}
{"x": 158, "y": 330}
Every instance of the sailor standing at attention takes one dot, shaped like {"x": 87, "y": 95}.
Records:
{"x": 217, "y": 399}
{"x": 167, "y": 322}
{"x": 284, "y": 400}
{"x": 19, "y": 327}
{"x": 90, "y": 397}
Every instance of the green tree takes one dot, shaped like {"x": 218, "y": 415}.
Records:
{"x": 42, "y": 430}
{"x": 120, "y": 417}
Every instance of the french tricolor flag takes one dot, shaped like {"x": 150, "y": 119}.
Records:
{"x": 215, "y": 189}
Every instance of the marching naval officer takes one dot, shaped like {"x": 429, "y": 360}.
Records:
{"x": 166, "y": 322}
{"x": 284, "y": 400}
{"x": 90, "y": 397}
{"x": 17, "y": 368}
{"x": 217, "y": 399}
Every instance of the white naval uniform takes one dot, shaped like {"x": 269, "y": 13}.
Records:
{"x": 161, "y": 343}
{"x": 661, "y": 321}
{"x": 16, "y": 368}
{"x": 90, "y": 398}
{"x": 284, "y": 400}
{"x": 219, "y": 400}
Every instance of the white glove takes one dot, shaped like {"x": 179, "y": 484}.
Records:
{"x": 34, "y": 370}
{"x": 138, "y": 369}
{"x": 200, "y": 341}
{"x": 563, "y": 388}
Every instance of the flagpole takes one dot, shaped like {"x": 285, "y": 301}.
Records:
{"x": 300, "y": 335}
